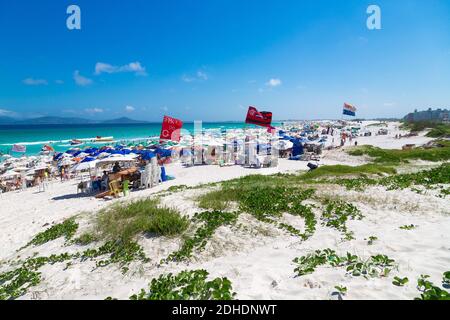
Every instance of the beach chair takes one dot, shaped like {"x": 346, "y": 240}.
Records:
{"x": 114, "y": 188}
{"x": 126, "y": 188}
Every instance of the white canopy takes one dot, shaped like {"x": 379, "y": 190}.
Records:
{"x": 85, "y": 166}
{"x": 116, "y": 158}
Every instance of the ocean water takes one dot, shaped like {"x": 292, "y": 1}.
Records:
{"x": 34, "y": 137}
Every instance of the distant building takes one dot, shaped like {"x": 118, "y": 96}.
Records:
{"x": 437, "y": 115}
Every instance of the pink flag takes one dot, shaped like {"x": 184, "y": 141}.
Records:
{"x": 19, "y": 148}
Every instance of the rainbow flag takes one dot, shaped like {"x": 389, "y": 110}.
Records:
{"x": 349, "y": 110}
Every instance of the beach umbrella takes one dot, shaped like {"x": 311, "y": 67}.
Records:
{"x": 103, "y": 155}
{"x": 65, "y": 162}
{"x": 88, "y": 159}
{"x": 116, "y": 158}
{"x": 10, "y": 174}
{"x": 19, "y": 169}
{"x": 85, "y": 166}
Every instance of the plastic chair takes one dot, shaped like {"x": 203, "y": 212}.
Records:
{"x": 114, "y": 188}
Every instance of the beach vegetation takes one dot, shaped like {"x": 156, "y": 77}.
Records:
{"x": 216, "y": 200}
{"x": 187, "y": 285}
{"x": 16, "y": 283}
{"x": 408, "y": 227}
{"x": 440, "y": 152}
{"x": 123, "y": 222}
{"x": 400, "y": 282}
{"x": 66, "y": 229}
{"x": 341, "y": 291}
{"x": 376, "y": 266}
{"x": 343, "y": 170}
{"x": 371, "y": 240}
{"x": 209, "y": 222}
{"x": 431, "y": 179}
{"x": 429, "y": 291}
{"x": 437, "y": 129}
{"x": 446, "y": 279}
{"x": 85, "y": 239}
{"x": 337, "y": 213}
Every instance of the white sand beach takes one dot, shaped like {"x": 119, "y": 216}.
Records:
{"x": 258, "y": 259}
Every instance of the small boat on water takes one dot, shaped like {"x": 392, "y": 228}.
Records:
{"x": 76, "y": 142}
{"x": 103, "y": 139}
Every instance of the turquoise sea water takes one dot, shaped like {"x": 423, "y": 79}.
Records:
{"x": 59, "y": 136}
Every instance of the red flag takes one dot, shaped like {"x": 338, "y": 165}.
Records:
{"x": 271, "y": 130}
{"x": 263, "y": 118}
{"x": 171, "y": 129}
{"x": 47, "y": 148}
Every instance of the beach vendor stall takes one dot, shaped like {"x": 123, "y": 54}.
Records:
{"x": 118, "y": 181}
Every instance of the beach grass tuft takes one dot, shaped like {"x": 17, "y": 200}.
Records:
{"x": 125, "y": 221}
{"x": 343, "y": 170}
{"x": 386, "y": 156}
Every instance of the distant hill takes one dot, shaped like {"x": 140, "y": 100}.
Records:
{"x": 64, "y": 121}
{"x": 53, "y": 120}
{"x": 123, "y": 120}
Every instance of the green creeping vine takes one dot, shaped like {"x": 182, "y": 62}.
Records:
{"x": 16, "y": 283}
{"x": 446, "y": 279}
{"x": 408, "y": 227}
{"x": 400, "y": 282}
{"x": 337, "y": 213}
{"x": 187, "y": 285}
{"x": 65, "y": 229}
{"x": 430, "y": 291}
{"x": 431, "y": 179}
{"x": 266, "y": 203}
{"x": 211, "y": 221}
{"x": 119, "y": 252}
{"x": 375, "y": 266}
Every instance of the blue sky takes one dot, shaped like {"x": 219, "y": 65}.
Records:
{"x": 210, "y": 59}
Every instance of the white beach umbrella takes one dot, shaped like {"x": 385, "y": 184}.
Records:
{"x": 116, "y": 158}
{"x": 103, "y": 155}
{"x": 82, "y": 155}
{"x": 65, "y": 162}
{"x": 10, "y": 174}
{"x": 85, "y": 166}
{"x": 19, "y": 169}
{"x": 285, "y": 144}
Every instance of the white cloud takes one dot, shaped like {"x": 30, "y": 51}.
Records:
{"x": 389, "y": 104}
{"x": 202, "y": 75}
{"x": 59, "y": 82}
{"x": 165, "y": 109}
{"x": 274, "y": 82}
{"x": 133, "y": 67}
{"x": 93, "y": 110}
{"x": 35, "y": 82}
{"x": 129, "y": 108}
{"x": 4, "y": 112}
{"x": 199, "y": 76}
{"x": 80, "y": 80}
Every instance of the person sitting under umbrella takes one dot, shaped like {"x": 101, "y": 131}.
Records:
{"x": 116, "y": 168}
